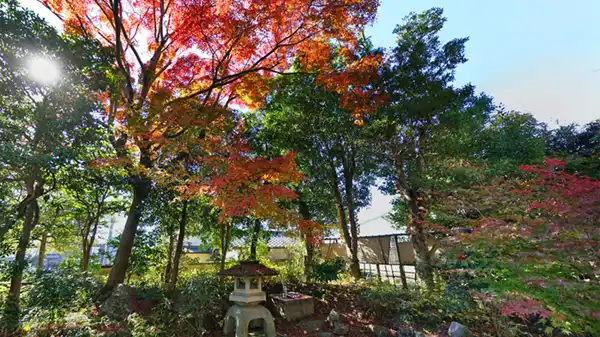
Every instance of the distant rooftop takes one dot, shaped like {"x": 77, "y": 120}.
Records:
{"x": 277, "y": 240}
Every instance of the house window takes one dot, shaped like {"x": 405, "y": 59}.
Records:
{"x": 254, "y": 283}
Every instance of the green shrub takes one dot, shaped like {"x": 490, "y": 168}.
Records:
{"x": 389, "y": 297}
{"x": 413, "y": 306}
{"x": 200, "y": 304}
{"x": 328, "y": 270}
{"x": 55, "y": 293}
{"x": 63, "y": 332}
{"x": 291, "y": 270}
{"x": 456, "y": 297}
{"x": 142, "y": 327}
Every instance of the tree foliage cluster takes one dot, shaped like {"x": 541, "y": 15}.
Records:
{"x": 220, "y": 120}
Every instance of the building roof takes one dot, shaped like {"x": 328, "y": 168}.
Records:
{"x": 276, "y": 240}
{"x": 248, "y": 268}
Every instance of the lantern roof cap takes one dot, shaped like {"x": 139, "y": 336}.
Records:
{"x": 250, "y": 268}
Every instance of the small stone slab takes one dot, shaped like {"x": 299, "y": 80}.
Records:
{"x": 333, "y": 317}
{"x": 292, "y": 308}
{"x": 458, "y": 330}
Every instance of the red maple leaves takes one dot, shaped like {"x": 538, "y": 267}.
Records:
{"x": 546, "y": 236}
{"x": 181, "y": 65}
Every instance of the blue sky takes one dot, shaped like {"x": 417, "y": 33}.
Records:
{"x": 538, "y": 56}
{"x": 542, "y": 57}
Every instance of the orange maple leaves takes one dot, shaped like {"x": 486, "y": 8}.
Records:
{"x": 194, "y": 47}
{"x": 356, "y": 84}
{"x": 181, "y": 64}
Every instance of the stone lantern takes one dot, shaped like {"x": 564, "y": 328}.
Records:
{"x": 247, "y": 296}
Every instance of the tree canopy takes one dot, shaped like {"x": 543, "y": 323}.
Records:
{"x": 214, "y": 126}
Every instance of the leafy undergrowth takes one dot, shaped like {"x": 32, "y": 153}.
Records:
{"x": 197, "y": 308}
{"x": 361, "y": 305}
{"x": 365, "y": 304}
{"x": 356, "y": 311}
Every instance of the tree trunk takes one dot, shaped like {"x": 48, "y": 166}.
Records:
{"x": 20, "y": 211}
{"x": 42, "y": 252}
{"x": 400, "y": 182}
{"x": 141, "y": 189}
{"x": 418, "y": 213}
{"x": 179, "y": 247}
{"x": 348, "y": 238}
{"x": 16, "y": 281}
{"x": 419, "y": 240}
{"x": 339, "y": 204}
{"x": 35, "y": 188}
{"x": 167, "y": 276}
{"x": 254, "y": 240}
{"x": 90, "y": 236}
{"x": 308, "y": 259}
{"x": 86, "y": 245}
{"x": 348, "y": 170}
{"x": 85, "y": 261}
{"x": 402, "y": 273}
{"x": 414, "y": 201}
{"x": 84, "y": 255}
{"x": 87, "y": 253}
{"x": 225, "y": 245}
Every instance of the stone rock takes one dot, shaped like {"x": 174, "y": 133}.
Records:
{"x": 405, "y": 305}
{"x": 458, "y": 330}
{"x": 340, "y": 329}
{"x": 333, "y": 317}
{"x": 335, "y": 321}
{"x": 380, "y": 331}
{"x": 409, "y": 333}
{"x": 118, "y": 305}
{"x": 324, "y": 334}
{"x": 312, "y": 325}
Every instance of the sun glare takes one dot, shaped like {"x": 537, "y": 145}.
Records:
{"x": 43, "y": 70}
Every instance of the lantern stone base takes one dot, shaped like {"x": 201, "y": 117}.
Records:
{"x": 238, "y": 318}
{"x": 292, "y": 308}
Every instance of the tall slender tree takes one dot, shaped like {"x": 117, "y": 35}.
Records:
{"x": 424, "y": 113}
{"x": 44, "y": 121}
{"x": 303, "y": 117}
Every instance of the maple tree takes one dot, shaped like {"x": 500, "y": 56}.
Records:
{"x": 538, "y": 249}
{"x": 172, "y": 53}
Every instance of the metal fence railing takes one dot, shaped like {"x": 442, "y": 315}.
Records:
{"x": 389, "y": 272}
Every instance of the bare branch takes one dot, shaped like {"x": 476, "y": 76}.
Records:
{"x": 121, "y": 61}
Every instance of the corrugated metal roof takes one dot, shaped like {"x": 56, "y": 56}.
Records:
{"x": 280, "y": 241}
{"x": 275, "y": 241}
